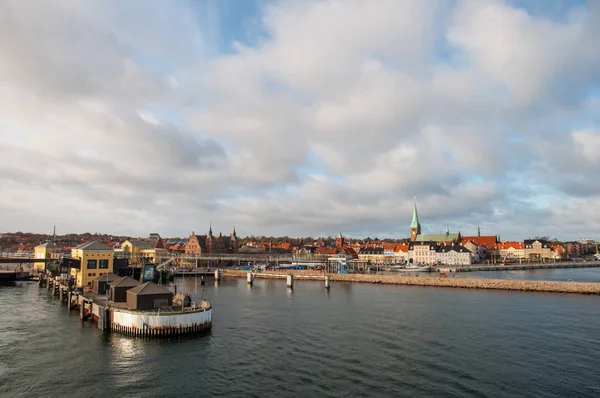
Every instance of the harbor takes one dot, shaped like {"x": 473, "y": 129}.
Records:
{"x": 387, "y": 340}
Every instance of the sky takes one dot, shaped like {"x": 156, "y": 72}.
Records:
{"x": 300, "y": 117}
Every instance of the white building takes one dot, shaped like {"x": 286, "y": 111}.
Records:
{"x": 422, "y": 252}
{"x": 401, "y": 254}
{"x": 453, "y": 255}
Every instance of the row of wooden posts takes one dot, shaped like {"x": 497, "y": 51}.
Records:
{"x": 289, "y": 280}
{"x": 161, "y": 332}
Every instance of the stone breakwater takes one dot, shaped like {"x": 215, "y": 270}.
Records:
{"x": 435, "y": 281}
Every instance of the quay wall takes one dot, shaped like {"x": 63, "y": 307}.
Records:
{"x": 160, "y": 321}
{"x": 436, "y": 281}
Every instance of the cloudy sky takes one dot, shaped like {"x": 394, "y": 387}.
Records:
{"x": 300, "y": 117}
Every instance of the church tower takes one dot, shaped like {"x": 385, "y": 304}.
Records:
{"x": 339, "y": 241}
{"x": 415, "y": 226}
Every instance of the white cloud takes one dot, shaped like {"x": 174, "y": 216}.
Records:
{"x": 333, "y": 120}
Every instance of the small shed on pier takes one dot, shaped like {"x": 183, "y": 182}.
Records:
{"x": 102, "y": 282}
{"x": 118, "y": 288}
{"x": 148, "y": 297}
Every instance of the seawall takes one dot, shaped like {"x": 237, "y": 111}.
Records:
{"x": 436, "y": 281}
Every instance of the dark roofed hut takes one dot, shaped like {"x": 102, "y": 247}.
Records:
{"x": 148, "y": 297}
{"x": 118, "y": 288}
{"x": 100, "y": 284}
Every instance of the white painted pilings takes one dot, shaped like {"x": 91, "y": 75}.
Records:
{"x": 290, "y": 281}
{"x": 249, "y": 278}
{"x": 327, "y": 282}
{"x": 217, "y": 275}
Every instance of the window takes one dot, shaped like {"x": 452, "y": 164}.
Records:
{"x": 103, "y": 264}
{"x": 91, "y": 264}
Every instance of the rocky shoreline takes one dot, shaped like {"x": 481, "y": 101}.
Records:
{"x": 436, "y": 281}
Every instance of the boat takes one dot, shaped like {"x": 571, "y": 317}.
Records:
{"x": 414, "y": 268}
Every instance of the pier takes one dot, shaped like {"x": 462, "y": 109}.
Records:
{"x": 115, "y": 317}
{"x": 436, "y": 281}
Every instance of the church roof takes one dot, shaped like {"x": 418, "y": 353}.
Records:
{"x": 415, "y": 217}
{"x": 437, "y": 237}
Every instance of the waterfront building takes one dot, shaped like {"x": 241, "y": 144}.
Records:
{"x": 119, "y": 287}
{"x": 453, "y": 255}
{"x": 148, "y": 296}
{"x": 559, "y": 251}
{"x": 422, "y": 252}
{"x": 142, "y": 250}
{"x": 481, "y": 240}
{"x": 208, "y": 244}
{"x": 95, "y": 259}
{"x": 477, "y": 252}
{"x": 575, "y": 249}
{"x": 373, "y": 255}
{"x": 47, "y": 250}
{"x": 537, "y": 249}
{"x": 102, "y": 283}
{"x": 401, "y": 253}
{"x": 511, "y": 249}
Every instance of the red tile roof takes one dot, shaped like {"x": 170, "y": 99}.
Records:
{"x": 401, "y": 248}
{"x": 326, "y": 250}
{"x": 508, "y": 245}
{"x": 480, "y": 240}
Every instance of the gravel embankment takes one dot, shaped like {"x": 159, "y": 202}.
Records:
{"x": 435, "y": 281}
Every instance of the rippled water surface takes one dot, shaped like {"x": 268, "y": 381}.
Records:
{"x": 355, "y": 340}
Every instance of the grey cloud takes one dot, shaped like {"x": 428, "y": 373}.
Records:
{"x": 335, "y": 126}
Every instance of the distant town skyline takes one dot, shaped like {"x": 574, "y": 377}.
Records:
{"x": 301, "y": 118}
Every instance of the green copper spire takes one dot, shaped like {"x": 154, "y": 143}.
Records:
{"x": 447, "y": 230}
{"x": 415, "y": 219}
{"x": 478, "y": 231}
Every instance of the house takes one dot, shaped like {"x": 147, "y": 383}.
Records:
{"x": 453, "y": 255}
{"x": 149, "y": 296}
{"x": 575, "y": 249}
{"x": 401, "y": 254}
{"x": 537, "y": 249}
{"x": 142, "y": 250}
{"x": 47, "y": 250}
{"x": 422, "y": 252}
{"x": 325, "y": 251}
{"x": 102, "y": 283}
{"x": 373, "y": 255}
{"x": 559, "y": 251}
{"x": 478, "y": 252}
{"x": 511, "y": 249}
{"x": 119, "y": 287}
{"x": 95, "y": 259}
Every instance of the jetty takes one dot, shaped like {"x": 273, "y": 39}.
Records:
{"x": 431, "y": 281}
{"x": 135, "y": 317}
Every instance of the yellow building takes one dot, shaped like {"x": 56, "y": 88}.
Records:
{"x": 142, "y": 251}
{"x": 96, "y": 259}
{"x": 47, "y": 250}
